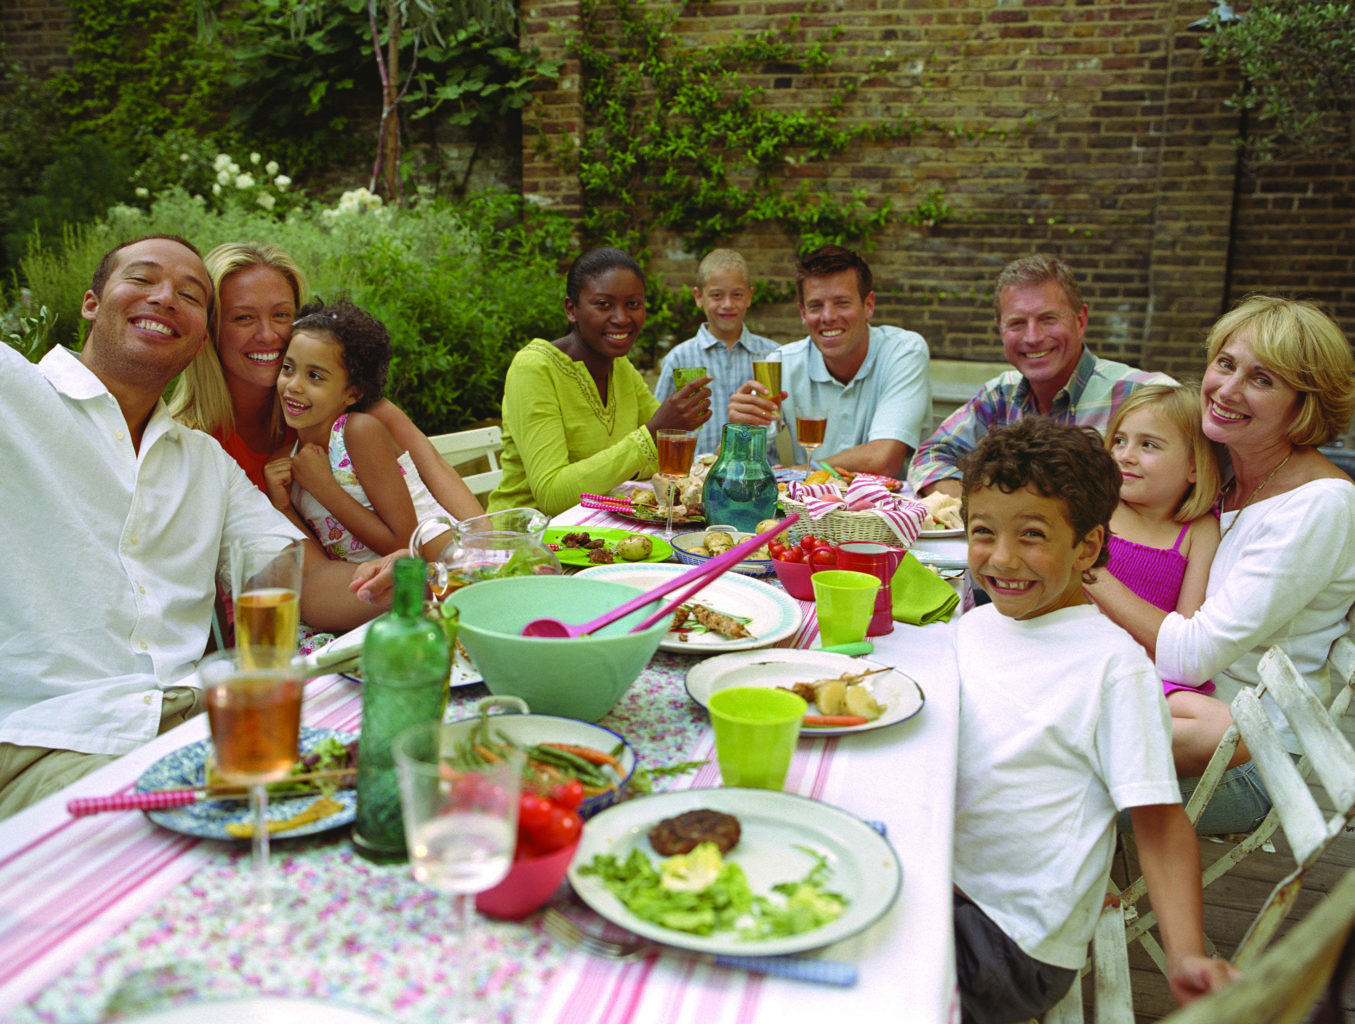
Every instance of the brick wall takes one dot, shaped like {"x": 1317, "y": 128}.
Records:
{"x": 1117, "y": 155}
{"x": 34, "y": 34}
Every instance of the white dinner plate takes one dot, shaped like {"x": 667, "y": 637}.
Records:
{"x": 901, "y": 695}
{"x": 771, "y": 614}
{"x": 956, "y": 531}
{"x": 341, "y": 655}
{"x": 258, "y": 1010}
{"x": 186, "y": 768}
{"x": 777, "y": 830}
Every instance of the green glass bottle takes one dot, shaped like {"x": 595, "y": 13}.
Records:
{"x": 740, "y": 489}
{"x": 406, "y": 660}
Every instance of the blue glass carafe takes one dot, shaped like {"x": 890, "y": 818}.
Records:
{"x": 740, "y": 489}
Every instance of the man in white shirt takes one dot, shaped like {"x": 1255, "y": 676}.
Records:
{"x": 119, "y": 521}
{"x": 872, "y": 383}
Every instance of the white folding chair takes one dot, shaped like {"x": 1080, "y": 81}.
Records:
{"x": 1109, "y": 964}
{"x": 466, "y": 446}
{"x": 1284, "y": 984}
{"x": 1294, "y": 808}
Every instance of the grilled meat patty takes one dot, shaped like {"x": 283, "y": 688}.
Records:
{"x": 683, "y": 833}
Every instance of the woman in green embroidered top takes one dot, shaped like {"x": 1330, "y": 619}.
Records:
{"x": 577, "y": 416}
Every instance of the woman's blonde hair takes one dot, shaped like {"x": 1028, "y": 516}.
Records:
{"x": 1179, "y": 404}
{"x": 1302, "y": 346}
{"x": 201, "y": 399}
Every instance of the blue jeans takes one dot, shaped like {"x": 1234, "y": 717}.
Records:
{"x": 1239, "y": 804}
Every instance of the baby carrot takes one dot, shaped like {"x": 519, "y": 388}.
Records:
{"x": 834, "y": 720}
{"x": 588, "y": 754}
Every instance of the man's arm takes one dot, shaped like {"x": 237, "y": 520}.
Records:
{"x": 938, "y": 457}
{"x": 884, "y": 457}
{"x": 1170, "y": 855}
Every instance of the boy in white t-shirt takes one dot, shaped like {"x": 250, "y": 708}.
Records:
{"x": 1062, "y": 724}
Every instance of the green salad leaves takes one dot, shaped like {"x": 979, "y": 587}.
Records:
{"x": 701, "y": 893}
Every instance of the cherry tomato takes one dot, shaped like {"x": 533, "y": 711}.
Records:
{"x": 525, "y": 849}
{"x": 533, "y": 812}
{"x": 793, "y": 555}
{"x": 569, "y": 795}
{"x": 776, "y": 550}
{"x": 808, "y": 543}
{"x": 562, "y": 829}
{"x": 823, "y": 556}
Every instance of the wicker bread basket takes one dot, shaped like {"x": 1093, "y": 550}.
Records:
{"x": 841, "y": 526}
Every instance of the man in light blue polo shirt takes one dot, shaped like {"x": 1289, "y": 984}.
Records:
{"x": 871, "y": 382}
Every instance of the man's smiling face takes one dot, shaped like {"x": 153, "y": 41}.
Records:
{"x": 1041, "y": 334}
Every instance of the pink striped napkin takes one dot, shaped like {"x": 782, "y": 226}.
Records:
{"x": 865, "y": 494}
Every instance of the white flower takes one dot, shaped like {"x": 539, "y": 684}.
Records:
{"x": 216, "y": 189}
{"x": 183, "y": 157}
{"x": 244, "y": 181}
{"x": 254, "y": 158}
{"x": 266, "y": 201}
{"x": 223, "y": 176}
{"x": 143, "y": 192}
{"x": 282, "y": 181}
{"x": 221, "y": 161}
{"x": 271, "y": 167}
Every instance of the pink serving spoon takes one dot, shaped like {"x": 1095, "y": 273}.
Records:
{"x": 700, "y": 576}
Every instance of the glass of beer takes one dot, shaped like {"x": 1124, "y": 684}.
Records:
{"x": 809, "y": 430}
{"x": 254, "y": 712}
{"x": 266, "y": 597}
{"x": 767, "y": 372}
{"x": 677, "y": 449}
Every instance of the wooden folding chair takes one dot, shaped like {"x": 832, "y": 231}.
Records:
{"x": 1109, "y": 964}
{"x": 1294, "y": 808}
{"x": 467, "y": 446}
{"x": 1283, "y": 985}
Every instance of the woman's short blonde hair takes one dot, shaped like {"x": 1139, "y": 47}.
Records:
{"x": 201, "y": 399}
{"x": 1179, "y": 404}
{"x": 1303, "y": 346}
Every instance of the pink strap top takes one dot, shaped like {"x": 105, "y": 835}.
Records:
{"x": 1153, "y": 574}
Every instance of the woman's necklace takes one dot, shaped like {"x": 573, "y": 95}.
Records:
{"x": 1252, "y": 497}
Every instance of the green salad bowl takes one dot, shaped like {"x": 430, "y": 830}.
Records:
{"x": 582, "y": 677}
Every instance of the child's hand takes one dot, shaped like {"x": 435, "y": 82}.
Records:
{"x": 277, "y": 478}
{"x": 1193, "y": 976}
{"x": 310, "y": 467}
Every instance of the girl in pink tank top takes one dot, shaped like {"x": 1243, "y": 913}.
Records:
{"x": 1164, "y": 532}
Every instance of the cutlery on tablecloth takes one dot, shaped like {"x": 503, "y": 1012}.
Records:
{"x": 823, "y": 972}
{"x": 164, "y": 799}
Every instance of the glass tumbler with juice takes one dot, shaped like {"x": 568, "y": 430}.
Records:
{"x": 266, "y": 598}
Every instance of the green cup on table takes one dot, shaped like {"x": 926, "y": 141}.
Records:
{"x": 845, "y": 601}
{"x": 755, "y": 733}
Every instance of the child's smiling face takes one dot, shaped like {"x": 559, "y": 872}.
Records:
{"x": 1022, "y": 551}
{"x": 724, "y": 299}
{"x": 313, "y": 384}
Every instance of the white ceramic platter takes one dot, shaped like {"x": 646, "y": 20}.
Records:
{"x": 901, "y": 695}
{"x": 770, "y": 613}
{"x": 777, "y": 830}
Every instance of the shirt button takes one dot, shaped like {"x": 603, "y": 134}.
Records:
{"x": 146, "y": 699}
{"x": 141, "y": 589}
{"x": 121, "y": 435}
{"x": 143, "y": 645}
{"x": 133, "y": 539}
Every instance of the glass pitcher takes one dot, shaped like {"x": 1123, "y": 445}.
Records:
{"x": 497, "y": 544}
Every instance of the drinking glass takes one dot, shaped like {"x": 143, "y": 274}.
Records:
{"x": 461, "y": 822}
{"x": 254, "y": 711}
{"x": 767, "y": 372}
{"x": 677, "y": 449}
{"x": 266, "y": 598}
{"x": 810, "y": 428}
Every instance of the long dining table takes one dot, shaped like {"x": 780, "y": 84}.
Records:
{"x": 102, "y": 917}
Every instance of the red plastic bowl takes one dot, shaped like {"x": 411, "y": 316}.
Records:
{"x": 528, "y": 886}
{"x": 794, "y": 576}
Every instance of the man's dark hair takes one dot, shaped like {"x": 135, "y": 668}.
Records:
{"x": 1056, "y": 460}
{"x": 105, "y": 268}
{"x": 833, "y": 259}
{"x": 363, "y": 339}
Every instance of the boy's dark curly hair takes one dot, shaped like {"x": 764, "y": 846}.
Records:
{"x": 1054, "y": 459}
{"x": 363, "y": 339}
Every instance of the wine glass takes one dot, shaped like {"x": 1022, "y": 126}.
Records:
{"x": 254, "y": 711}
{"x": 810, "y": 428}
{"x": 461, "y": 819}
{"x": 677, "y": 449}
{"x": 266, "y": 599}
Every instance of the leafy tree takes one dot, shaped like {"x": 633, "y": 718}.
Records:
{"x": 1297, "y": 61}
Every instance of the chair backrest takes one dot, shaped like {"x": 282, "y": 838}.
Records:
{"x": 465, "y": 446}
{"x": 1109, "y": 964}
{"x": 1284, "y": 984}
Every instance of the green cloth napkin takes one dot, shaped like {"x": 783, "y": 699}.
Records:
{"x": 920, "y": 596}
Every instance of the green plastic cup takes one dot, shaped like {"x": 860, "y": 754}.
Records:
{"x": 755, "y": 732}
{"x": 684, "y": 375}
{"x": 845, "y": 601}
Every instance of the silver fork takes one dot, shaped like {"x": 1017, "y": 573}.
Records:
{"x": 564, "y": 928}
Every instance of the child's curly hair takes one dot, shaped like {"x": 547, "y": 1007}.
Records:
{"x": 1054, "y": 459}
{"x": 363, "y": 339}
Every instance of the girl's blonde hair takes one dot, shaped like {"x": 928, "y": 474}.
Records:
{"x": 201, "y": 399}
{"x": 1179, "y": 404}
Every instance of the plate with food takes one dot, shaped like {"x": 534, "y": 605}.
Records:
{"x": 342, "y": 655}
{"x": 845, "y": 876}
{"x": 576, "y": 545}
{"x": 733, "y": 613}
{"x": 943, "y": 516}
{"x": 294, "y": 808}
{"x": 845, "y": 695}
{"x": 702, "y": 545}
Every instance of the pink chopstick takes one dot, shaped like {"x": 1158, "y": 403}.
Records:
{"x": 157, "y": 801}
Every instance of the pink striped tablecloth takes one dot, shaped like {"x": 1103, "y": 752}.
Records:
{"x": 94, "y": 908}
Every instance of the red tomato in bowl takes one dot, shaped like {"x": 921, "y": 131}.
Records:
{"x": 808, "y": 543}
{"x": 793, "y": 554}
{"x": 823, "y": 557}
{"x": 776, "y": 550}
